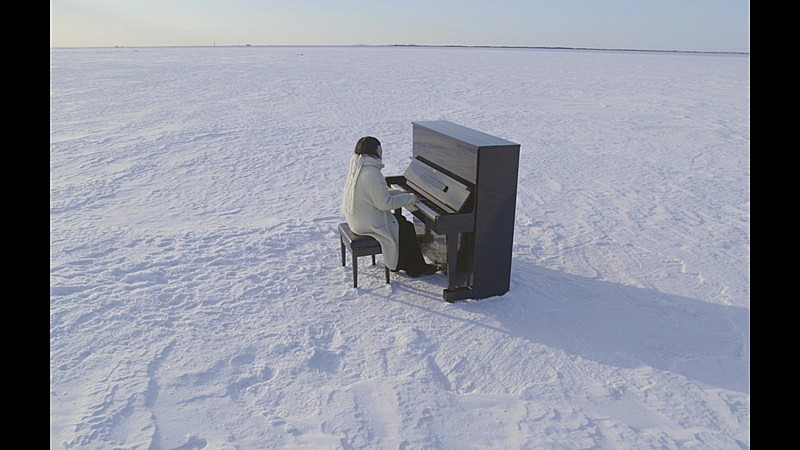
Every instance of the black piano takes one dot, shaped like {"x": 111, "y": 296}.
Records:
{"x": 467, "y": 183}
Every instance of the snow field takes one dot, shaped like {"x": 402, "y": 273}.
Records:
{"x": 197, "y": 298}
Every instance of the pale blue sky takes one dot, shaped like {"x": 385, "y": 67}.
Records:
{"x": 692, "y": 25}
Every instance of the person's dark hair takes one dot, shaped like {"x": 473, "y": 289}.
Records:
{"x": 368, "y": 145}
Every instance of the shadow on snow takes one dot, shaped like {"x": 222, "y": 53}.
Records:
{"x": 614, "y": 324}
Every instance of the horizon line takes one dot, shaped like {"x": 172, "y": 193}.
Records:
{"x": 558, "y": 47}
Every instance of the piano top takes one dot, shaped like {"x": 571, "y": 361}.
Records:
{"x": 455, "y": 149}
{"x": 464, "y": 134}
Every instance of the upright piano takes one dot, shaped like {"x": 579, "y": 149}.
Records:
{"x": 466, "y": 181}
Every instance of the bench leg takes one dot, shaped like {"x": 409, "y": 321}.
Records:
{"x": 342, "y": 244}
{"x": 387, "y": 274}
{"x": 373, "y": 260}
{"x": 355, "y": 271}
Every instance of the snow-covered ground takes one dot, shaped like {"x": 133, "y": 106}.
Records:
{"x": 197, "y": 298}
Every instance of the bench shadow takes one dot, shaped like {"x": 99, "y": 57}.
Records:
{"x": 614, "y": 324}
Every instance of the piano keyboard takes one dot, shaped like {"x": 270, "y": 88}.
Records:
{"x": 425, "y": 209}
{"x": 424, "y": 204}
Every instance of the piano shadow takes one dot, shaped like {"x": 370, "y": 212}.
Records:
{"x": 615, "y": 324}
{"x": 433, "y": 287}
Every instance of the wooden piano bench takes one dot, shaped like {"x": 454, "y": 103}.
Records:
{"x": 359, "y": 246}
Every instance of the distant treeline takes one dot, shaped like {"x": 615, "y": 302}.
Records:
{"x": 562, "y": 48}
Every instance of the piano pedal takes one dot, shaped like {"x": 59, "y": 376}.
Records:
{"x": 458, "y": 293}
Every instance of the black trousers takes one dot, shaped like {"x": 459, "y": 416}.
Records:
{"x": 409, "y": 255}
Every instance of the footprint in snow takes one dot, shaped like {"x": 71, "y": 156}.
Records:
{"x": 192, "y": 442}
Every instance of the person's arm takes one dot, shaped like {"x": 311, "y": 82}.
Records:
{"x": 379, "y": 194}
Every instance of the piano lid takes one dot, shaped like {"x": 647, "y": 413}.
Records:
{"x": 455, "y": 148}
{"x": 467, "y": 135}
{"x": 443, "y": 189}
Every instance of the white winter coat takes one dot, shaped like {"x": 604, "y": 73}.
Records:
{"x": 368, "y": 203}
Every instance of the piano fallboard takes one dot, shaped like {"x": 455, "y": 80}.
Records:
{"x": 439, "y": 222}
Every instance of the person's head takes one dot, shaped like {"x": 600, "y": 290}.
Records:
{"x": 369, "y": 145}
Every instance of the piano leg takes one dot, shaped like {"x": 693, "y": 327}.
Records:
{"x": 452, "y": 259}
{"x": 453, "y": 292}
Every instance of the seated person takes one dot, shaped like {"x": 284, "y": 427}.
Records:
{"x": 367, "y": 205}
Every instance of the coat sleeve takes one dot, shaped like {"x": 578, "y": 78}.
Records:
{"x": 379, "y": 195}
